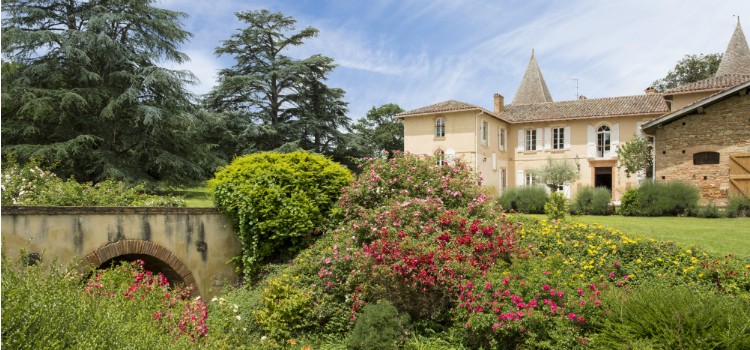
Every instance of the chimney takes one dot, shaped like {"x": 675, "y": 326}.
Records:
{"x": 651, "y": 90}
{"x": 499, "y": 103}
{"x": 582, "y": 97}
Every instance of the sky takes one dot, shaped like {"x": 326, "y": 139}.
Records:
{"x": 417, "y": 53}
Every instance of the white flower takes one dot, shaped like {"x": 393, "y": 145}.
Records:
{"x": 198, "y": 298}
{"x": 239, "y": 317}
{"x": 214, "y": 299}
{"x": 263, "y": 338}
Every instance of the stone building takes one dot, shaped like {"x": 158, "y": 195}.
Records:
{"x": 507, "y": 142}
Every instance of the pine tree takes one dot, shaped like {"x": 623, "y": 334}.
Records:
{"x": 273, "y": 99}
{"x": 86, "y": 92}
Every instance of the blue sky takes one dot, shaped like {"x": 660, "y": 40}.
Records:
{"x": 416, "y": 53}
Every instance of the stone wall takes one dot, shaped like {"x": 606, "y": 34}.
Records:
{"x": 723, "y": 127}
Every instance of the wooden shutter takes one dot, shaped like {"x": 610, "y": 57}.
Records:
{"x": 494, "y": 161}
{"x": 519, "y": 179}
{"x": 567, "y": 138}
{"x": 505, "y": 139}
{"x": 591, "y": 141}
{"x": 521, "y": 134}
{"x": 539, "y": 136}
{"x": 615, "y": 141}
{"x": 547, "y": 139}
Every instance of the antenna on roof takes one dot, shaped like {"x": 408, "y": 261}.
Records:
{"x": 576, "y": 87}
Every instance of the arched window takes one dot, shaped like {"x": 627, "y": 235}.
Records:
{"x": 602, "y": 141}
{"x": 706, "y": 158}
{"x": 439, "y": 157}
{"x": 440, "y": 127}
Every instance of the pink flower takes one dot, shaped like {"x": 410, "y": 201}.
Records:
{"x": 545, "y": 287}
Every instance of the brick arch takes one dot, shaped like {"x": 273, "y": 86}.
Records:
{"x": 113, "y": 250}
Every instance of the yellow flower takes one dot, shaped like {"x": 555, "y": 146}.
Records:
{"x": 639, "y": 260}
{"x": 701, "y": 275}
{"x": 659, "y": 259}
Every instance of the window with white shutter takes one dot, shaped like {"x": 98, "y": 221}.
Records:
{"x": 590, "y": 141}
{"x": 567, "y": 137}
{"x": 558, "y": 138}
{"x": 519, "y": 179}
{"x": 547, "y": 139}
{"x": 539, "y": 140}
{"x": 521, "y": 134}
{"x": 494, "y": 161}
{"x": 531, "y": 140}
{"x": 615, "y": 139}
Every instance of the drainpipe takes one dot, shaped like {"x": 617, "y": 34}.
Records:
{"x": 476, "y": 141}
{"x": 653, "y": 166}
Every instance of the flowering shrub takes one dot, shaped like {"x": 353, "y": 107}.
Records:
{"x": 555, "y": 206}
{"x": 277, "y": 201}
{"x": 32, "y": 186}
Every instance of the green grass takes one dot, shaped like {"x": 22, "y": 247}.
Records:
{"x": 195, "y": 197}
{"x": 724, "y": 236}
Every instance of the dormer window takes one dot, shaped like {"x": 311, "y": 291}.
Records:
{"x": 440, "y": 128}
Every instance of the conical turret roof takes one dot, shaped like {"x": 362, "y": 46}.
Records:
{"x": 533, "y": 89}
{"x": 736, "y": 59}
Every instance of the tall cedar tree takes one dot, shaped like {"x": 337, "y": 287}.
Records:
{"x": 269, "y": 99}
{"x": 380, "y": 131}
{"x": 85, "y": 92}
{"x": 688, "y": 70}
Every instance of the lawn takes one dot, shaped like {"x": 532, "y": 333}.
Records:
{"x": 725, "y": 236}
{"x": 195, "y": 197}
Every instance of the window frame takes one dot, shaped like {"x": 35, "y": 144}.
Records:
{"x": 440, "y": 128}
{"x": 530, "y": 140}
{"x": 528, "y": 178}
{"x": 602, "y": 150}
{"x": 708, "y": 158}
{"x": 501, "y": 138}
{"x": 558, "y": 138}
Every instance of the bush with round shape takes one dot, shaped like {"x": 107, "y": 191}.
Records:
{"x": 278, "y": 202}
{"x": 629, "y": 204}
{"x": 592, "y": 201}
{"x": 379, "y": 328}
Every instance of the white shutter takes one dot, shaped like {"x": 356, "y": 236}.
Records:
{"x": 591, "y": 141}
{"x": 539, "y": 136}
{"x": 566, "y": 190}
{"x": 547, "y": 139}
{"x": 519, "y": 179}
{"x": 499, "y": 139}
{"x": 489, "y": 134}
{"x": 494, "y": 162}
{"x": 450, "y": 156}
{"x": 481, "y": 132}
{"x": 638, "y": 128}
{"x": 520, "y": 140}
{"x": 505, "y": 139}
{"x": 567, "y": 138}
{"x": 615, "y": 139}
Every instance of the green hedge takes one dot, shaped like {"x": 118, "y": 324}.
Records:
{"x": 524, "y": 199}
{"x": 278, "y": 202}
{"x": 592, "y": 201}
{"x": 658, "y": 198}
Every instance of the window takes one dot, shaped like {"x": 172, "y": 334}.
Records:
{"x": 501, "y": 139}
{"x": 531, "y": 140}
{"x": 485, "y": 133}
{"x": 440, "y": 127}
{"x": 439, "y": 157}
{"x": 529, "y": 179}
{"x": 706, "y": 158}
{"x": 558, "y": 138}
{"x": 602, "y": 141}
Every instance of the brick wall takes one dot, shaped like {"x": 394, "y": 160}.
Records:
{"x": 724, "y": 127}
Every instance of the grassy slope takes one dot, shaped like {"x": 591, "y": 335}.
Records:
{"x": 726, "y": 236}
{"x": 195, "y": 197}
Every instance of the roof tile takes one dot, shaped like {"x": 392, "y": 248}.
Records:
{"x": 588, "y": 108}
{"x": 713, "y": 83}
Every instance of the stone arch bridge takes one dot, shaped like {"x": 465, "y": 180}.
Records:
{"x": 188, "y": 245}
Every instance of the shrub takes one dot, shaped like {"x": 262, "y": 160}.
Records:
{"x": 524, "y": 199}
{"x": 659, "y": 198}
{"x": 592, "y": 201}
{"x": 282, "y": 307}
{"x": 555, "y": 207}
{"x": 739, "y": 206}
{"x": 277, "y": 201}
{"x": 379, "y": 328}
{"x": 678, "y": 317}
{"x": 123, "y": 307}
{"x": 30, "y": 185}
{"x": 708, "y": 211}
{"x": 629, "y": 204}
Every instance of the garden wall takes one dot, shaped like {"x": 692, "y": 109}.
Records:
{"x": 194, "y": 242}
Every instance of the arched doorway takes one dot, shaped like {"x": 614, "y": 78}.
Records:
{"x": 156, "y": 258}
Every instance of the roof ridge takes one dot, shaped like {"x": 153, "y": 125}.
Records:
{"x": 736, "y": 59}
{"x": 583, "y": 101}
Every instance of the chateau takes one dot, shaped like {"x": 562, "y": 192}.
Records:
{"x": 507, "y": 142}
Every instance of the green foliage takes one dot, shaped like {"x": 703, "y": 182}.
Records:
{"x": 555, "y": 207}
{"x": 592, "y": 201}
{"x": 557, "y": 172}
{"x": 708, "y": 211}
{"x": 282, "y": 307}
{"x": 658, "y": 198}
{"x": 379, "y": 328}
{"x": 677, "y": 317}
{"x": 268, "y": 99}
{"x": 30, "y": 185}
{"x": 50, "y": 307}
{"x": 88, "y": 91}
{"x": 278, "y": 202}
{"x": 739, "y": 206}
{"x": 635, "y": 155}
{"x": 524, "y": 199}
{"x": 629, "y": 203}
{"x": 379, "y": 131}
{"x": 689, "y": 69}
